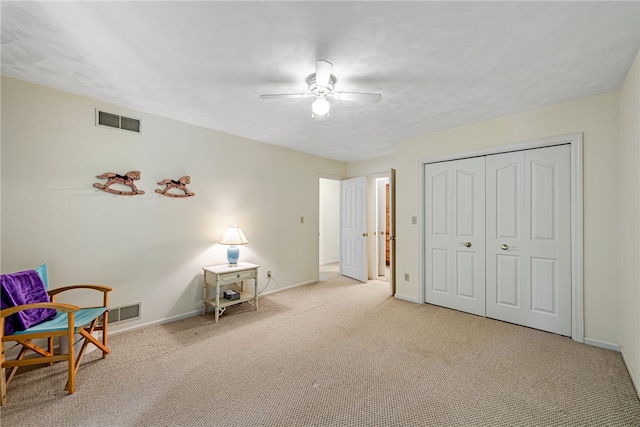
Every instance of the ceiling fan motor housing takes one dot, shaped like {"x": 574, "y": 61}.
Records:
{"x": 321, "y": 90}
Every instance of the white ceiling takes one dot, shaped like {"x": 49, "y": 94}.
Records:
{"x": 437, "y": 65}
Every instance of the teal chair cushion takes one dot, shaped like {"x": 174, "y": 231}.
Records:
{"x": 84, "y": 316}
{"x": 44, "y": 274}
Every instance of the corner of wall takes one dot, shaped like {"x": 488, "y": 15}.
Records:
{"x": 629, "y": 222}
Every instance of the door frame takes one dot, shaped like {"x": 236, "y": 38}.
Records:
{"x": 373, "y": 210}
{"x": 392, "y": 230}
{"x": 391, "y": 175}
{"x": 577, "y": 280}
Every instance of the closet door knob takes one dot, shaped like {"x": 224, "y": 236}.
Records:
{"x": 504, "y": 246}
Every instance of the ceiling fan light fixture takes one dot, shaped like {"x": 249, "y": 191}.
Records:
{"x": 321, "y": 85}
{"x": 320, "y": 106}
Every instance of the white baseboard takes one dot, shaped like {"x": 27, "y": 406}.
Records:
{"x": 330, "y": 262}
{"x": 275, "y": 291}
{"x": 632, "y": 374}
{"x": 156, "y": 322}
{"x": 406, "y": 298}
{"x": 602, "y": 344}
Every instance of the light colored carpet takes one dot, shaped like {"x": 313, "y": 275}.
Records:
{"x": 335, "y": 353}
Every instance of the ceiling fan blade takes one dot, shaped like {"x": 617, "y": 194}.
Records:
{"x": 359, "y": 97}
{"x": 323, "y": 73}
{"x": 286, "y": 95}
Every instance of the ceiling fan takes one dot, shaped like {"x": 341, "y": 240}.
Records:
{"x": 321, "y": 84}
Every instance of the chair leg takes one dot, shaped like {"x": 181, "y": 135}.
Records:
{"x": 50, "y": 347}
{"x": 86, "y": 333}
{"x": 3, "y": 389}
{"x": 71, "y": 382}
{"x": 105, "y": 321}
{"x": 13, "y": 370}
{"x": 85, "y": 344}
{"x": 3, "y": 379}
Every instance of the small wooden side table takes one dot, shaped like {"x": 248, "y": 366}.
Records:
{"x": 218, "y": 276}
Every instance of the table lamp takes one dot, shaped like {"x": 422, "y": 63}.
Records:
{"x": 233, "y": 236}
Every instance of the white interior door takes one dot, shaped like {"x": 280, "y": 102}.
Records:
{"x": 454, "y": 223}
{"x": 353, "y": 228}
{"x": 529, "y": 238}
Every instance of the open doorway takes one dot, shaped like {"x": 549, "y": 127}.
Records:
{"x": 329, "y": 228}
{"x": 382, "y": 228}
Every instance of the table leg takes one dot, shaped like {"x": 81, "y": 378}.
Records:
{"x": 217, "y": 307}
{"x": 255, "y": 292}
{"x": 205, "y": 291}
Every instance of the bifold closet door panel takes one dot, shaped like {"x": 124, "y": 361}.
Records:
{"x": 528, "y": 272}
{"x": 454, "y": 224}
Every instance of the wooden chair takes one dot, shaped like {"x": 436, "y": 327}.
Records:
{"x": 69, "y": 320}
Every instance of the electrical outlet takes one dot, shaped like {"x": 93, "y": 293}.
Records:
{"x": 406, "y": 277}
{"x": 268, "y": 274}
{"x": 414, "y": 220}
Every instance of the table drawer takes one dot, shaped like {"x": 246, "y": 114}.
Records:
{"x": 237, "y": 276}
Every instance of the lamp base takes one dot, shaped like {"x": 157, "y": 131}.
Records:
{"x": 233, "y": 253}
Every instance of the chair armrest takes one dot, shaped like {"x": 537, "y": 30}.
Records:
{"x": 101, "y": 288}
{"x": 67, "y": 308}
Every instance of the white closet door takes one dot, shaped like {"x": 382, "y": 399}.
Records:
{"x": 528, "y": 271}
{"x": 454, "y": 224}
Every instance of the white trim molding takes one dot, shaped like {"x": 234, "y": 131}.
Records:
{"x": 406, "y": 298}
{"x": 602, "y": 344}
{"x": 577, "y": 280}
{"x": 632, "y": 374}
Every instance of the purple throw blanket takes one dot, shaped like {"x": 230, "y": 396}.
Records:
{"x": 24, "y": 287}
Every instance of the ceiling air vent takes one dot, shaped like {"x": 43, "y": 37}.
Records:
{"x": 115, "y": 121}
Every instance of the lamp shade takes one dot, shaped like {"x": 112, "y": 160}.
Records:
{"x": 233, "y": 236}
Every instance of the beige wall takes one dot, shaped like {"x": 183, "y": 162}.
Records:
{"x": 630, "y": 220}
{"x": 149, "y": 248}
{"x": 329, "y": 234}
{"x": 377, "y": 166}
{"x": 598, "y": 119}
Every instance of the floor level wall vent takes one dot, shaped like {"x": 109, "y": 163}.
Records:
{"x": 125, "y": 312}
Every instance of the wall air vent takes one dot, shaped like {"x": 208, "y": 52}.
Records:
{"x": 116, "y": 121}
{"x": 125, "y": 312}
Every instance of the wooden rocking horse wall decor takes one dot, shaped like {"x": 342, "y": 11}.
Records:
{"x": 180, "y": 184}
{"x": 126, "y": 179}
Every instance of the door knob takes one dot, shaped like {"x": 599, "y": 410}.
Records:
{"x": 365, "y": 234}
{"x": 504, "y": 246}
{"x": 467, "y": 244}
{"x": 382, "y": 233}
